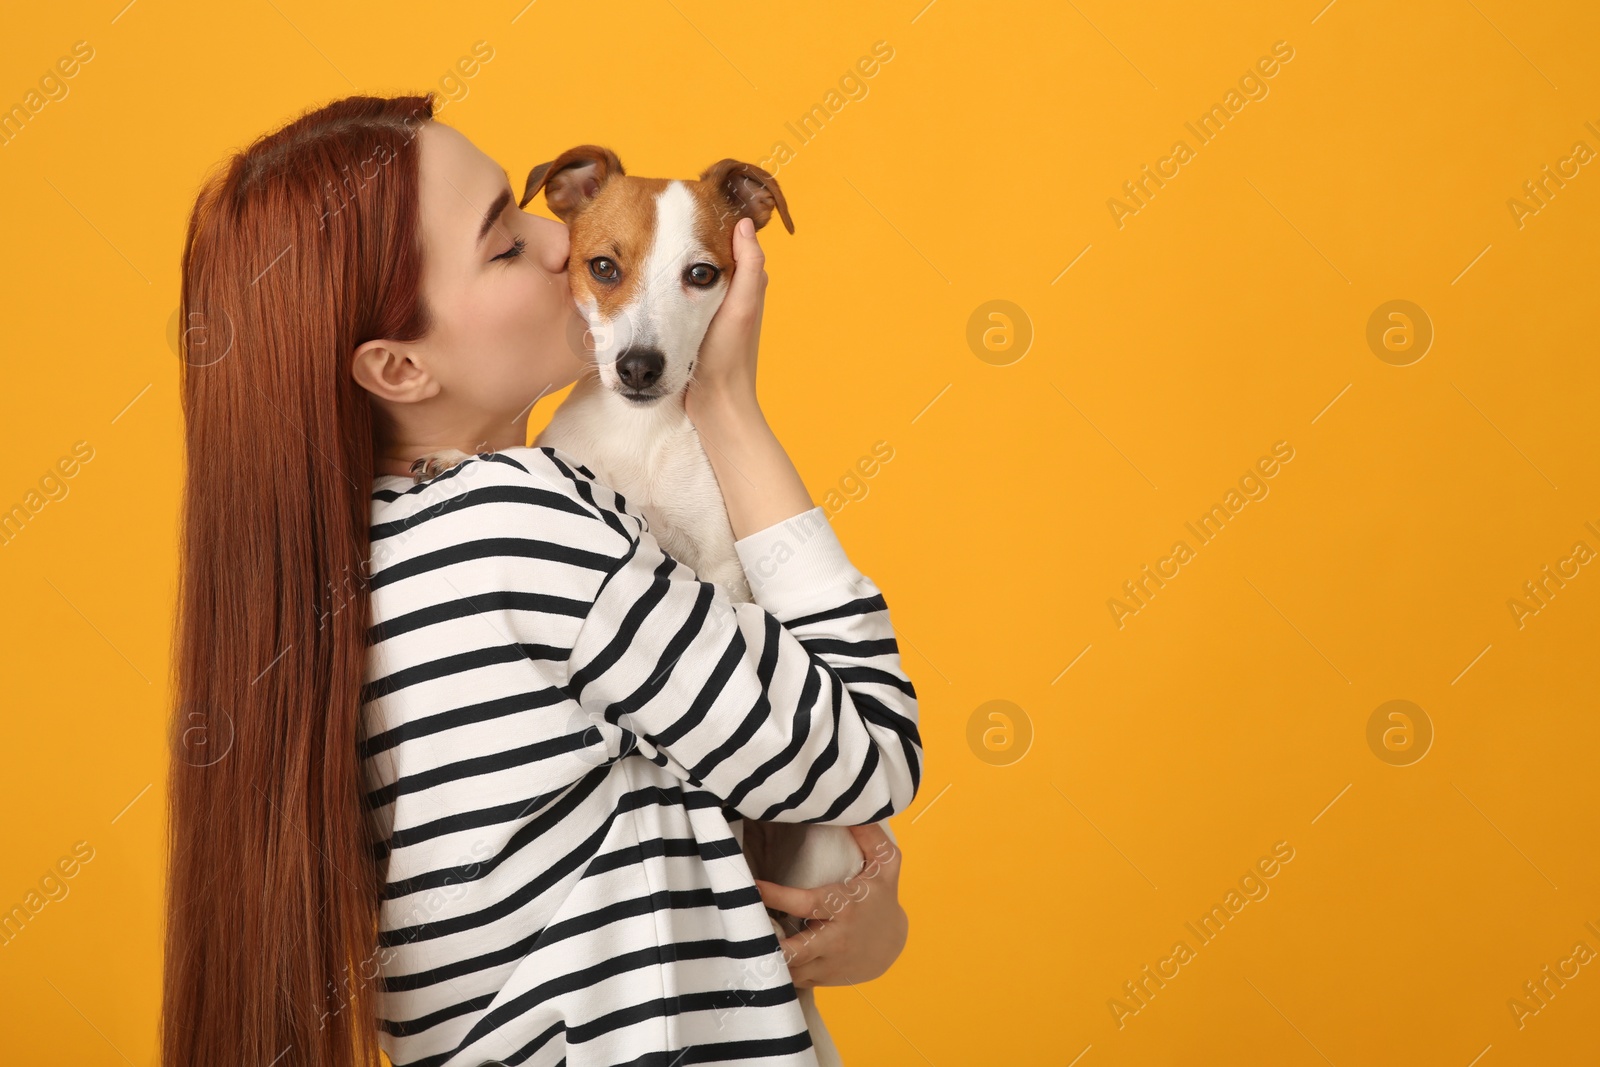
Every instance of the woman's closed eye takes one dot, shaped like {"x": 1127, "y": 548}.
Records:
{"x": 518, "y": 246}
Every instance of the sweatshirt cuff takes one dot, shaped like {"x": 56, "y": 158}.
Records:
{"x": 791, "y": 562}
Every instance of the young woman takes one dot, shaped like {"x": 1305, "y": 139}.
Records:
{"x": 455, "y": 760}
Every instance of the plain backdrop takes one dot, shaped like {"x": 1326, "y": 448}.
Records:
{"x": 1142, "y": 761}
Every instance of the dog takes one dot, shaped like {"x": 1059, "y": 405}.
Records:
{"x": 650, "y": 264}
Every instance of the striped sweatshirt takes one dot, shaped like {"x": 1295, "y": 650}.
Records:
{"x": 561, "y": 722}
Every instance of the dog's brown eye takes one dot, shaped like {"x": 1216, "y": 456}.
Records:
{"x": 702, "y": 275}
{"x": 603, "y": 269}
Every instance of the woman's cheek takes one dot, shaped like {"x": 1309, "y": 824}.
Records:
{"x": 548, "y": 315}
{"x": 545, "y": 298}
{"x": 498, "y": 322}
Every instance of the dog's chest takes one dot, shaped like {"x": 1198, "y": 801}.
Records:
{"x": 664, "y": 475}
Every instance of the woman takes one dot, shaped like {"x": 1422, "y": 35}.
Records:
{"x": 456, "y": 759}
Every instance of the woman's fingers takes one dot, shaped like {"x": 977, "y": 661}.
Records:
{"x": 728, "y": 353}
{"x": 748, "y": 258}
{"x": 749, "y": 282}
{"x": 801, "y": 951}
{"x": 803, "y": 947}
{"x": 852, "y": 933}
{"x": 806, "y": 952}
{"x": 878, "y": 851}
{"x": 802, "y": 903}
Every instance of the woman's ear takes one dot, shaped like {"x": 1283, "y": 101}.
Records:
{"x": 389, "y": 372}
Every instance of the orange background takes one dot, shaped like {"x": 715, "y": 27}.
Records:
{"x": 1229, "y": 313}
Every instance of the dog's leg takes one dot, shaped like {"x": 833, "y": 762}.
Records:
{"x": 729, "y": 574}
{"x": 754, "y": 839}
{"x": 821, "y": 1040}
{"x": 808, "y": 856}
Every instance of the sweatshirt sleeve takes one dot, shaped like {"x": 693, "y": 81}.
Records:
{"x": 794, "y": 708}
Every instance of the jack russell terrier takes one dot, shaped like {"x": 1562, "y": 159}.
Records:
{"x": 650, "y": 264}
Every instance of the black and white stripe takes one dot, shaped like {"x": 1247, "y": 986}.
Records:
{"x": 561, "y": 722}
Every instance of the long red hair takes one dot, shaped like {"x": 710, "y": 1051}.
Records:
{"x": 303, "y": 246}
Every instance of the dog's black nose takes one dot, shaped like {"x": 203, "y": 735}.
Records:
{"x": 639, "y": 368}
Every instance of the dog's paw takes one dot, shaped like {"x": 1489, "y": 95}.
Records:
{"x": 436, "y": 463}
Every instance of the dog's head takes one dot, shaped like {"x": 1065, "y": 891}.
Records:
{"x": 651, "y": 258}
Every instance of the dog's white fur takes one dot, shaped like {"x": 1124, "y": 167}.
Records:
{"x": 652, "y": 455}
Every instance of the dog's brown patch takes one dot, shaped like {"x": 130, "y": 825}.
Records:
{"x": 620, "y": 225}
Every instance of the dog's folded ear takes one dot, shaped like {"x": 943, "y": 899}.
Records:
{"x": 748, "y": 191}
{"x": 571, "y": 180}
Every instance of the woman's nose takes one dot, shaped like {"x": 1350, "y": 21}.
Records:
{"x": 556, "y": 247}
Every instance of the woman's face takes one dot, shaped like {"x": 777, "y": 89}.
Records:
{"x": 505, "y": 329}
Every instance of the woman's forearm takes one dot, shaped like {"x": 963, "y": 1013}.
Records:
{"x": 759, "y": 482}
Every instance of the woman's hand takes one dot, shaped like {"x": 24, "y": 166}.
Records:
{"x": 725, "y": 369}
{"x": 856, "y": 928}
{"x": 758, "y": 481}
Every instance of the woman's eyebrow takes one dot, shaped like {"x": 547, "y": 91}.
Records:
{"x": 501, "y": 202}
